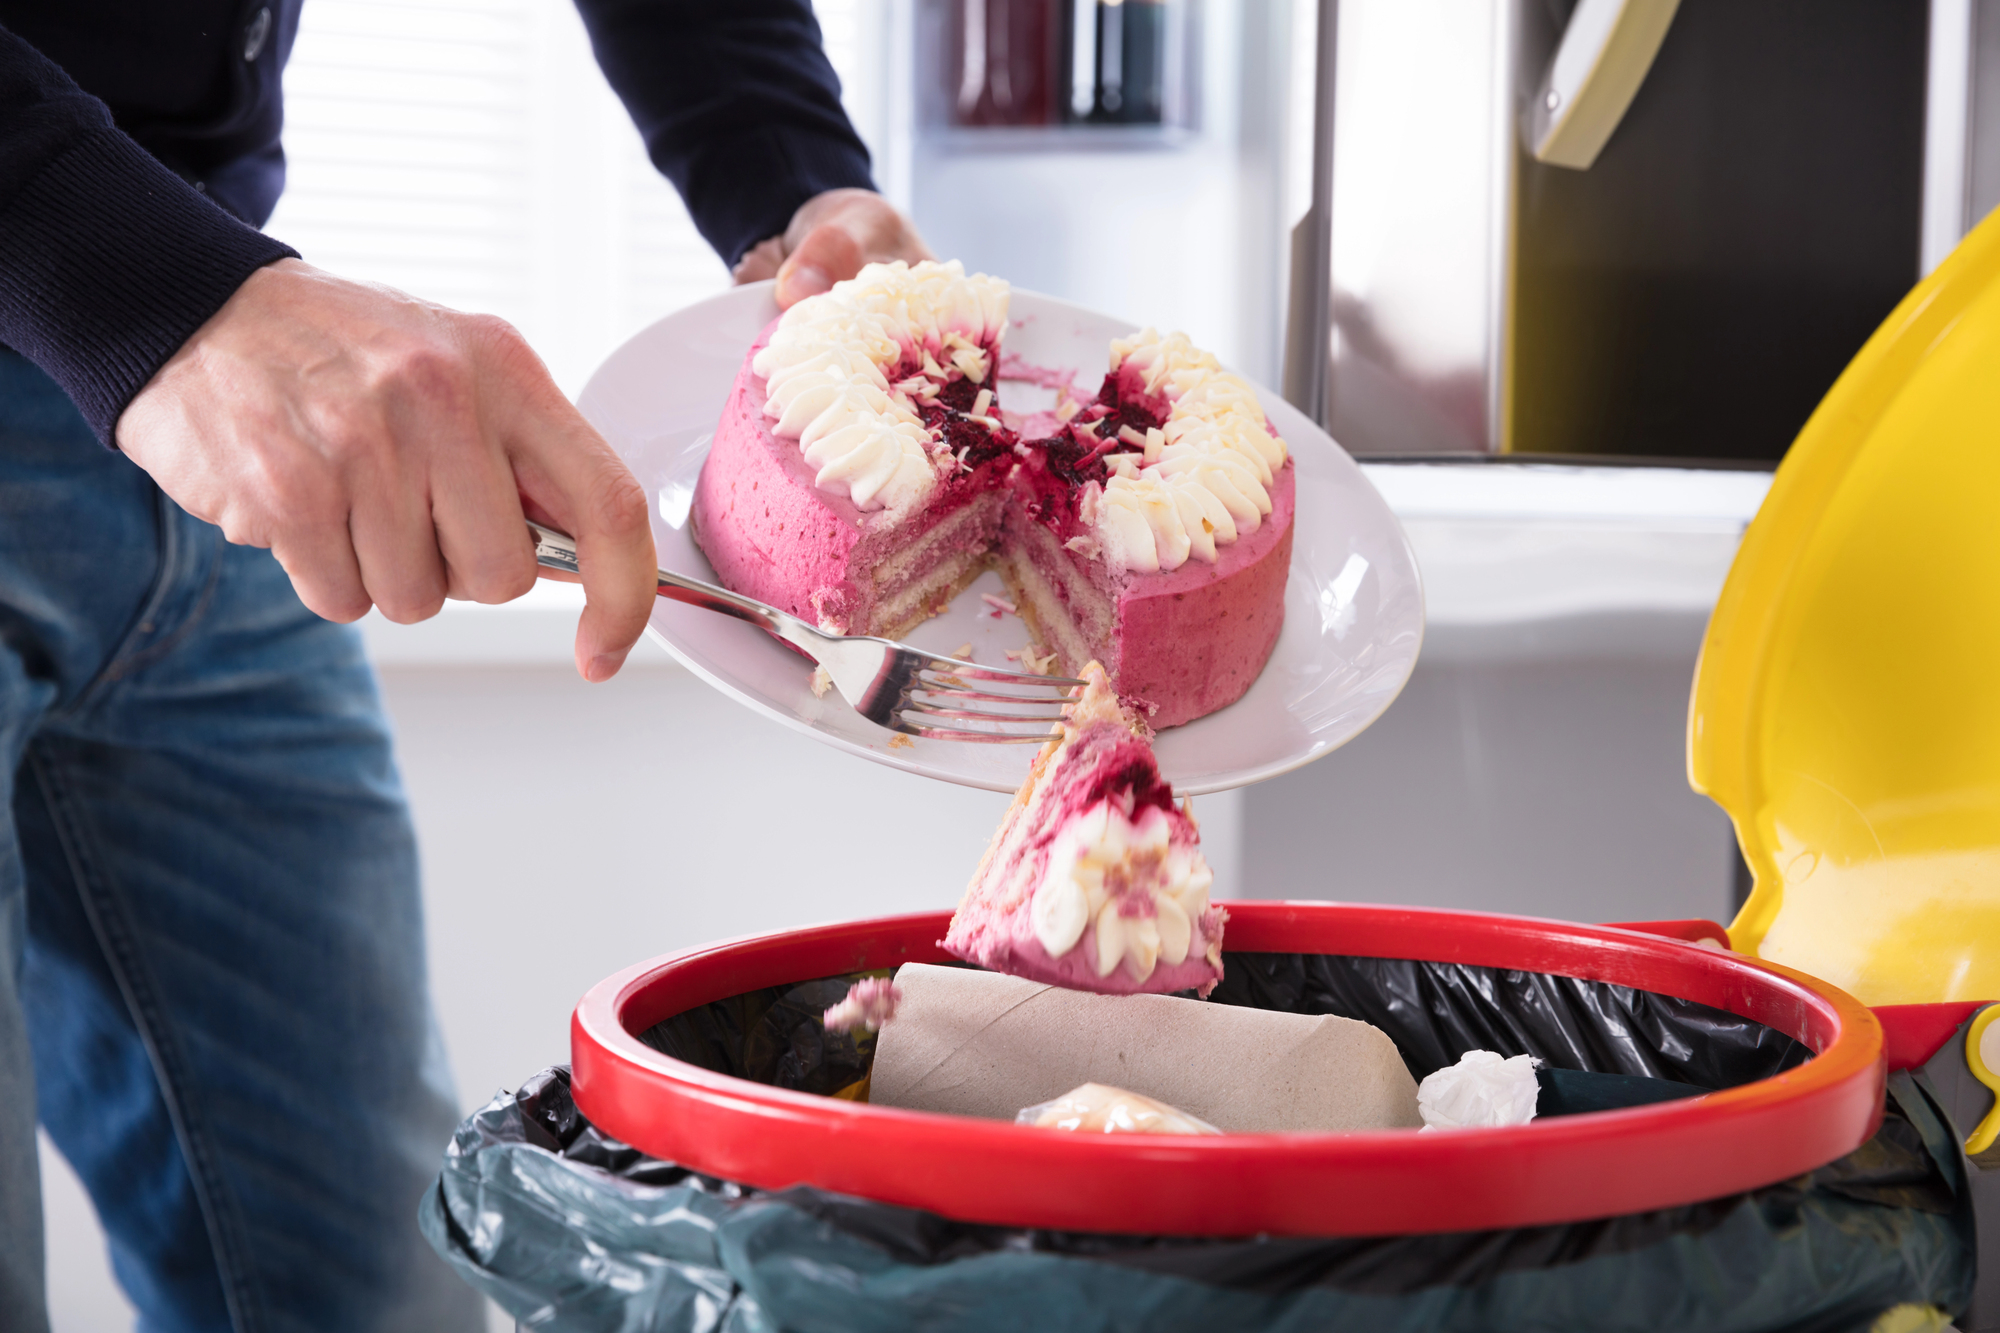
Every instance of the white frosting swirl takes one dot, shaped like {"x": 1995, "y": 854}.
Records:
{"x": 1210, "y": 482}
{"x": 1201, "y": 481}
{"x": 826, "y": 372}
{"x": 1124, "y": 880}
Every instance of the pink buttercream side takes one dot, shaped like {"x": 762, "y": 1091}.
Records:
{"x": 766, "y": 529}
{"x": 1193, "y": 640}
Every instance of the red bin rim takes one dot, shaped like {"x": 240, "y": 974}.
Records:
{"x": 1395, "y": 1182}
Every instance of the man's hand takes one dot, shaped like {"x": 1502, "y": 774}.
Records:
{"x": 385, "y": 450}
{"x": 829, "y": 239}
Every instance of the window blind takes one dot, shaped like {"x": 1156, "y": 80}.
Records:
{"x": 468, "y": 152}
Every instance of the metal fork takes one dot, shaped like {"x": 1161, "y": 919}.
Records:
{"x": 891, "y": 684}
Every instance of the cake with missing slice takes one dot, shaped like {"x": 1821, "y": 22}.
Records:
{"x": 1095, "y": 880}
{"x": 864, "y": 472}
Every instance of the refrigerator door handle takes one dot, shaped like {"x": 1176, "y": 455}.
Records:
{"x": 1308, "y": 369}
{"x": 1606, "y": 51}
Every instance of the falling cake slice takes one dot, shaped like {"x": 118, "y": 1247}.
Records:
{"x": 1095, "y": 879}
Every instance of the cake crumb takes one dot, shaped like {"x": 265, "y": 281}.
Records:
{"x": 1001, "y": 606}
{"x": 901, "y": 742}
{"x": 1031, "y": 660}
{"x": 964, "y": 654}
{"x": 822, "y": 681}
{"x": 870, "y": 1003}
{"x": 1086, "y": 513}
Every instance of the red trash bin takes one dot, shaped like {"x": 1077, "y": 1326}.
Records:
{"x": 1395, "y": 1182}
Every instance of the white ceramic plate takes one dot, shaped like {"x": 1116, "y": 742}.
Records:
{"x": 1354, "y": 608}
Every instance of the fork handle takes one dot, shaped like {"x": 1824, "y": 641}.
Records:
{"x": 557, "y": 550}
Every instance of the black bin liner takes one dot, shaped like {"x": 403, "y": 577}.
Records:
{"x": 570, "y": 1230}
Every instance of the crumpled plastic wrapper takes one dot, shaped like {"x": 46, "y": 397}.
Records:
{"x": 1098, "y": 1108}
{"x": 1482, "y": 1091}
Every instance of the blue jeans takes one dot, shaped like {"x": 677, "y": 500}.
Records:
{"x": 212, "y": 985}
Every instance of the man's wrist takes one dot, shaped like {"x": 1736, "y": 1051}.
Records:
{"x": 112, "y": 262}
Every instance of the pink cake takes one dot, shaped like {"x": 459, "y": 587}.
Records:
{"x": 1095, "y": 881}
{"x": 870, "y": 1003}
{"x": 864, "y": 473}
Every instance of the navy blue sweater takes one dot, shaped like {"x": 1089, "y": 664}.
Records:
{"x": 139, "y": 152}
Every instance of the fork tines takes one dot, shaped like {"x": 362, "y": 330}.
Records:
{"x": 937, "y": 699}
{"x": 943, "y": 688}
{"x": 984, "y": 737}
{"x": 944, "y": 707}
{"x": 948, "y": 666}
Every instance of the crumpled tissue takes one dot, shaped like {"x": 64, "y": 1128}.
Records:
{"x": 1481, "y": 1091}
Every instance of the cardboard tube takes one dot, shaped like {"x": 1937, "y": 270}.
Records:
{"x": 982, "y": 1044}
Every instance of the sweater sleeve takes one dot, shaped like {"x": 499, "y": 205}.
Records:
{"x": 108, "y": 260}
{"x": 737, "y": 104}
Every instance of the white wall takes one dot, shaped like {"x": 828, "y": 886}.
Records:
{"x": 1537, "y": 760}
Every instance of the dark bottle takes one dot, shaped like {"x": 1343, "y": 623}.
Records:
{"x": 1008, "y": 67}
{"x": 1129, "y": 60}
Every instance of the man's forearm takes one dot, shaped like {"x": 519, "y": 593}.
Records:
{"x": 108, "y": 261}
{"x": 737, "y": 104}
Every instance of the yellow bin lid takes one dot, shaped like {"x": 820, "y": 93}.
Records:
{"x": 1846, "y": 708}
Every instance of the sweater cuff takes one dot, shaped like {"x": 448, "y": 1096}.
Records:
{"x": 745, "y": 188}
{"x": 108, "y": 263}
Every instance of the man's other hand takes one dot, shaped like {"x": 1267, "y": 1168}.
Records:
{"x": 386, "y": 451}
{"x": 829, "y": 239}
